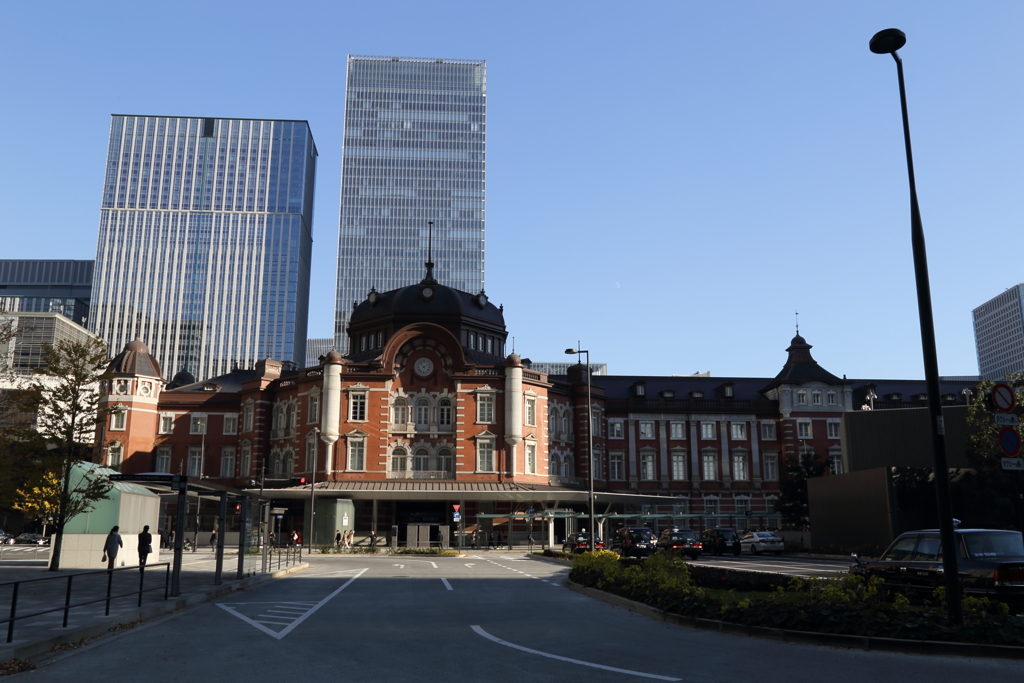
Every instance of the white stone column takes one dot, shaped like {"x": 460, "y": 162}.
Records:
{"x": 330, "y": 412}
{"x": 513, "y": 408}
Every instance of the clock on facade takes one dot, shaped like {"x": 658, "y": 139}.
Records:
{"x": 423, "y": 367}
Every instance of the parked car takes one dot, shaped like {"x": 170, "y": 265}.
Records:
{"x": 758, "y": 542}
{"x": 579, "y": 543}
{"x": 991, "y": 564}
{"x": 32, "y": 539}
{"x": 633, "y": 541}
{"x": 721, "y": 540}
{"x": 679, "y": 542}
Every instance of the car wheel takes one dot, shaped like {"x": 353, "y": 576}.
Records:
{"x": 778, "y": 552}
{"x": 736, "y": 552}
{"x": 753, "y": 549}
{"x": 694, "y": 556}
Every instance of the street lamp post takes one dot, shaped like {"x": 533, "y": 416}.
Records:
{"x": 590, "y": 450}
{"x": 889, "y": 41}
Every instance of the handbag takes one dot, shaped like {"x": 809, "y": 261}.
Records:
{"x": 104, "y": 558}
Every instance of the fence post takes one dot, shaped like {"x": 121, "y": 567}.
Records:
{"x": 167, "y": 581}
{"x": 14, "y": 610}
{"x": 67, "y": 601}
{"x": 142, "y": 580}
{"x": 110, "y": 582}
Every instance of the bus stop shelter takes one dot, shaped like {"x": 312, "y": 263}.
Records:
{"x": 182, "y": 487}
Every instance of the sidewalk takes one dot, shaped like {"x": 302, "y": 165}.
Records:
{"x": 38, "y": 634}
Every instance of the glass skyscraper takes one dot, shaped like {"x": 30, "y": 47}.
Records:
{"x": 413, "y": 153}
{"x": 204, "y": 241}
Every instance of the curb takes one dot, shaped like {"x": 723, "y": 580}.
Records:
{"x": 29, "y": 649}
{"x": 551, "y": 560}
{"x": 866, "y": 643}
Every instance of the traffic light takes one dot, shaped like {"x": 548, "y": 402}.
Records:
{"x": 297, "y": 481}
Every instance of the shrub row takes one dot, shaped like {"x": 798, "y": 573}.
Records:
{"x": 847, "y": 605}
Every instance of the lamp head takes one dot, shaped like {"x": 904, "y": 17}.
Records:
{"x": 887, "y": 41}
{"x": 571, "y": 351}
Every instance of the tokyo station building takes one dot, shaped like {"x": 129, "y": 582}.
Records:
{"x": 427, "y": 411}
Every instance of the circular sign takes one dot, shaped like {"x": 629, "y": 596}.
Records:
{"x": 1009, "y": 441}
{"x": 1003, "y": 398}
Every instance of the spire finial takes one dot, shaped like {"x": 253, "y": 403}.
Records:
{"x": 429, "y": 278}
{"x": 797, "y": 323}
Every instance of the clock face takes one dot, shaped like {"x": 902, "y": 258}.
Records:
{"x": 423, "y": 367}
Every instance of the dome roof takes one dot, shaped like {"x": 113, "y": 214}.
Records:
{"x": 135, "y": 359}
{"x": 332, "y": 357}
{"x": 181, "y": 379}
{"x": 426, "y": 301}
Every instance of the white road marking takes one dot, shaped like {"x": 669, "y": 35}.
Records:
{"x": 470, "y": 564}
{"x": 447, "y": 585}
{"x": 400, "y": 566}
{"x": 499, "y": 641}
{"x": 290, "y": 627}
{"x": 432, "y": 563}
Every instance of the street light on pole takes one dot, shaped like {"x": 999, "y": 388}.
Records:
{"x": 889, "y": 41}
{"x": 590, "y": 450}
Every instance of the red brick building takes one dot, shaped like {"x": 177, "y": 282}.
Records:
{"x": 428, "y": 412}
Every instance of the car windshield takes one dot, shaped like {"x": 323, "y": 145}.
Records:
{"x": 765, "y": 536}
{"x": 642, "y": 535}
{"x": 986, "y": 545}
{"x": 680, "y": 537}
{"x": 728, "y": 535}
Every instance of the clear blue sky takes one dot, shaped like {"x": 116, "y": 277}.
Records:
{"x": 667, "y": 182}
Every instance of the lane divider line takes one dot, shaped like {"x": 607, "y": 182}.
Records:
{"x": 499, "y": 641}
{"x": 447, "y": 585}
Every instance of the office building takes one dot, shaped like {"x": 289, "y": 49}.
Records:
{"x": 414, "y": 153}
{"x": 560, "y": 368}
{"x": 46, "y": 286}
{"x": 317, "y": 347}
{"x": 204, "y": 240}
{"x": 999, "y": 334}
{"x": 32, "y": 332}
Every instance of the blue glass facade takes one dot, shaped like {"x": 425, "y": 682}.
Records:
{"x": 204, "y": 240}
{"x": 414, "y": 152}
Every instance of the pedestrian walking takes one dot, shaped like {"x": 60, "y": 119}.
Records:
{"x": 373, "y": 538}
{"x": 145, "y": 546}
{"x": 295, "y": 538}
{"x": 170, "y": 539}
{"x": 213, "y": 540}
{"x": 474, "y": 539}
{"x": 490, "y": 540}
{"x": 350, "y": 537}
{"x": 337, "y": 538}
{"x": 111, "y": 546}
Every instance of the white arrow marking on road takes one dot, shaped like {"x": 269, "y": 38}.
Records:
{"x": 290, "y": 626}
{"x": 488, "y": 636}
{"x": 470, "y": 564}
{"x": 431, "y": 563}
{"x": 400, "y": 566}
{"x": 447, "y": 585}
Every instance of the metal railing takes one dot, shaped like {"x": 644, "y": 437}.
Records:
{"x": 290, "y": 555}
{"x": 421, "y": 474}
{"x": 68, "y": 606}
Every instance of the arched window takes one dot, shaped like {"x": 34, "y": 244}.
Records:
{"x": 444, "y": 412}
{"x": 289, "y": 419}
{"x": 290, "y": 464}
{"x": 555, "y": 465}
{"x": 568, "y": 467}
{"x": 399, "y": 460}
{"x": 565, "y": 426}
{"x": 422, "y": 411}
{"x": 421, "y": 461}
{"x": 444, "y": 460}
{"x": 275, "y": 466}
{"x": 401, "y": 411}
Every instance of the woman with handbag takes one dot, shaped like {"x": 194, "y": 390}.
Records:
{"x": 145, "y": 546}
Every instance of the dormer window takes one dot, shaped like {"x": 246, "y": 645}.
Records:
{"x": 362, "y": 343}
{"x": 946, "y": 397}
{"x": 639, "y": 389}
{"x": 696, "y": 394}
{"x": 801, "y": 398}
{"x": 816, "y": 398}
{"x": 894, "y": 397}
{"x": 727, "y": 391}
{"x": 924, "y": 397}
{"x": 668, "y": 393}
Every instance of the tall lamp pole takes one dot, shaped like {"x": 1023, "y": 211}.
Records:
{"x": 312, "y": 487}
{"x": 888, "y": 42}
{"x": 590, "y": 450}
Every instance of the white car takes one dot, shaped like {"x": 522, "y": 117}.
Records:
{"x": 757, "y": 542}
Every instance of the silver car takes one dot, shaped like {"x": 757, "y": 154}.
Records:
{"x": 757, "y": 542}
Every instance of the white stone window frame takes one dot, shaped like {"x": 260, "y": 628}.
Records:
{"x": 160, "y": 423}
{"x": 486, "y": 439}
{"x": 530, "y": 410}
{"x": 646, "y": 430}
{"x": 115, "y": 455}
{"x": 804, "y": 429}
{"x": 163, "y": 459}
{"x": 198, "y": 423}
{"x": 311, "y": 452}
{"x": 313, "y": 406}
{"x": 801, "y": 398}
{"x": 248, "y": 415}
{"x": 648, "y": 465}
{"x": 228, "y": 453}
{"x": 617, "y": 473}
{"x": 816, "y": 398}
{"x": 832, "y": 427}
{"x": 770, "y": 461}
{"x": 680, "y": 456}
{"x": 231, "y": 424}
{"x": 709, "y": 455}
{"x": 486, "y": 396}
{"x": 356, "y": 396}
{"x": 708, "y": 430}
{"x": 714, "y": 501}
{"x": 195, "y": 456}
{"x": 244, "y": 458}
{"x": 353, "y": 439}
{"x": 832, "y": 398}
{"x": 738, "y": 431}
{"x": 529, "y": 444}
{"x": 677, "y": 430}
{"x": 769, "y": 431}
{"x": 835, "y": 460}
{"x": 740, "y": 455}
{"x": 616, "y": 430}
{"x": 119, "y": 418}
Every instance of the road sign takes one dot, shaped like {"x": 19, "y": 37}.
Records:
{"x": 1003, "y": 398}
{"x": 529, "y": 512}
{"x": 1009, "y": 441}
{"x": 1006, "y": 420}
{"x": 456, "y": 507}
{"x": 456, "y": 517}
{"x": 1013, "y": 464}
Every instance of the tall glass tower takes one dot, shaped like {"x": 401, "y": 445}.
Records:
{"x": 414, "y": 152}
{"x": 204, "y": 241}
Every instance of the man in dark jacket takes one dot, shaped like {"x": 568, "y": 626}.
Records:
{"x": 145, "y": 546}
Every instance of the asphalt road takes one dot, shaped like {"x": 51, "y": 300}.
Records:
{"x": 776, "y": 564}
{"x": 494, "y": 617}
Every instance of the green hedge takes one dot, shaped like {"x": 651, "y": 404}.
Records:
{"x": 847, "y": 605}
